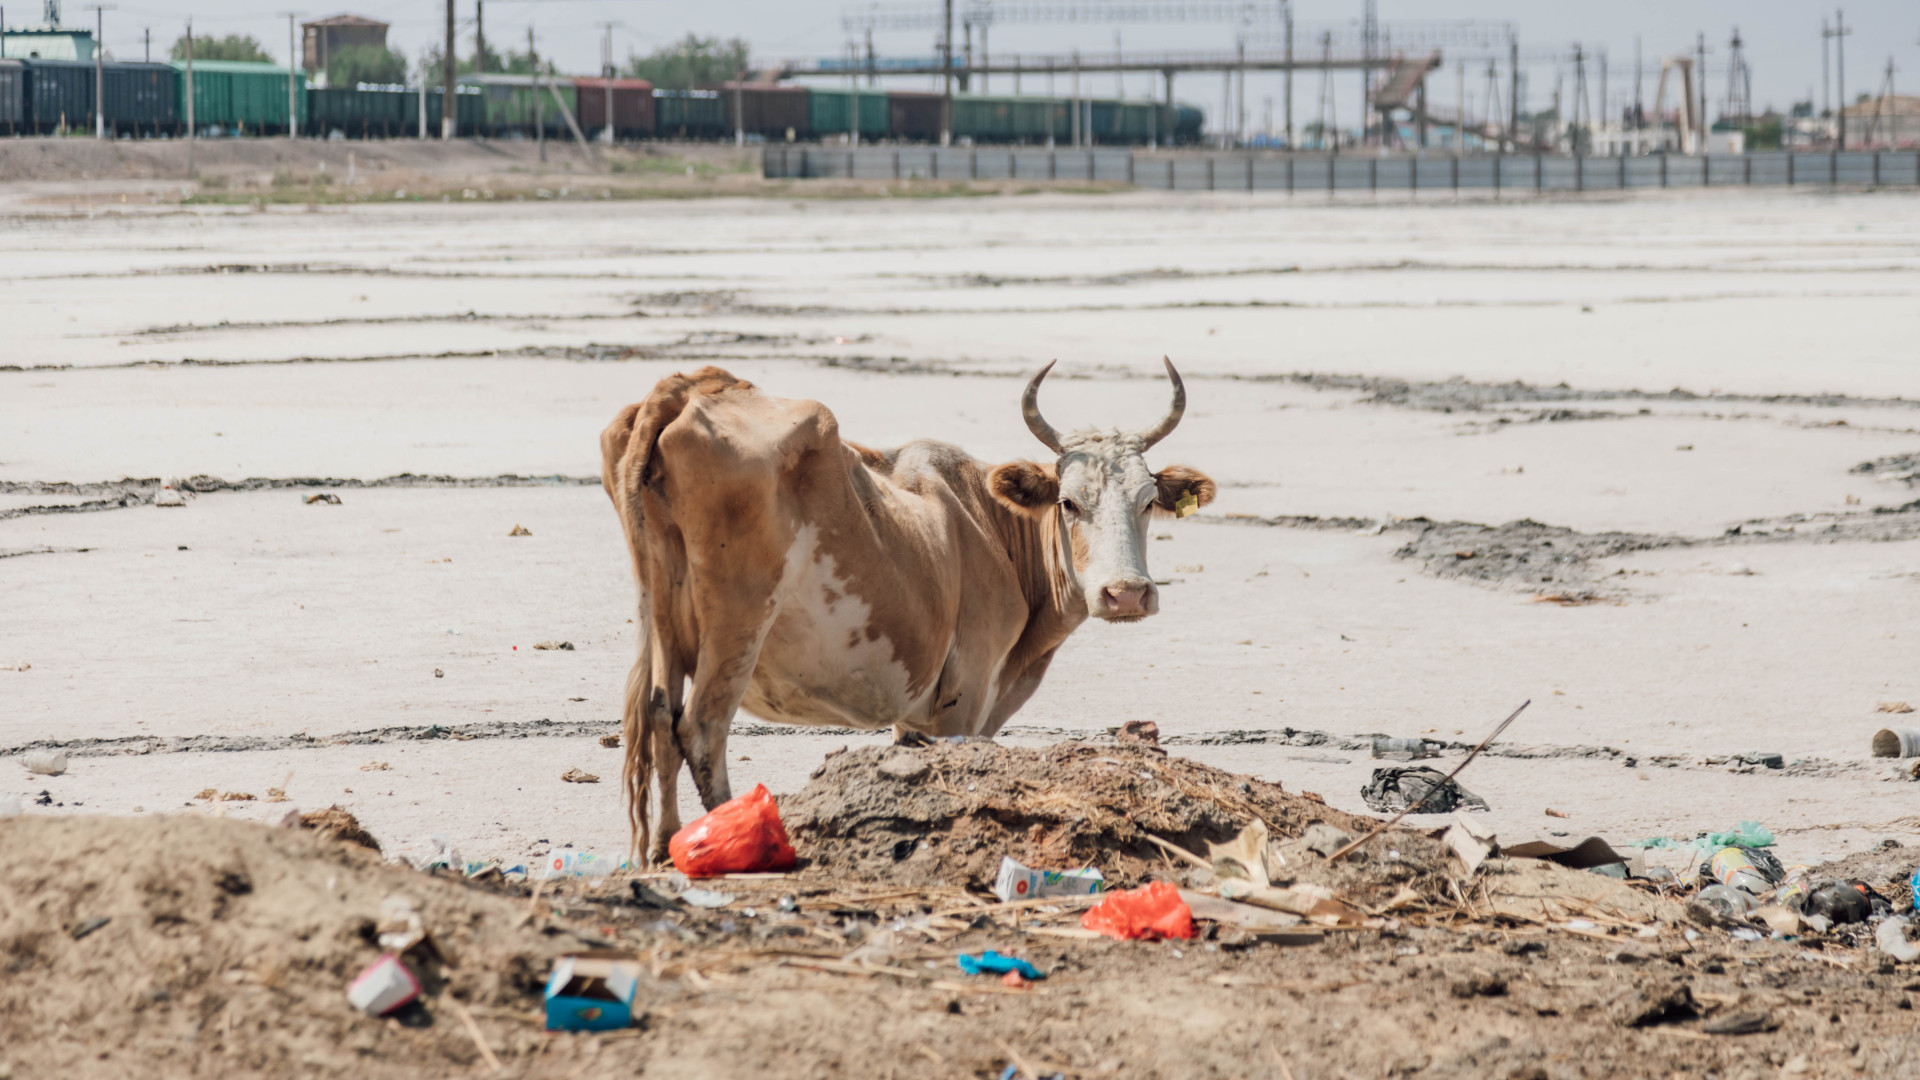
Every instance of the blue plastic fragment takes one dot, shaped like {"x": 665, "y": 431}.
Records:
{"x": 1012, "y": 1071}
{"x": 992, "y": 963}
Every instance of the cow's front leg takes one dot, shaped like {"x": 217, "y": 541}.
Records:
{"x": 718, "y": 685}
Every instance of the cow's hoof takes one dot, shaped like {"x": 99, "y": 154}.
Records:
{"x": 903, "y": 737}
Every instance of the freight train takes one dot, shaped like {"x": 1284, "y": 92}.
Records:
{"x": 148, "y": 100}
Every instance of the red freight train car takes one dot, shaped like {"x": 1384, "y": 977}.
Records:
{"x": 776, "y": 112}
{"x": 913, "y": 116}
{"x": 632, "y": 106}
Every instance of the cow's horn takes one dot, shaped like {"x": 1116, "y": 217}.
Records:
{"x": 1172, "y": 420}
{"x": 1030, "y": 411}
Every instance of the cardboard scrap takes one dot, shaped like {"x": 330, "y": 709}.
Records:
{"x": 1472, "y": 840}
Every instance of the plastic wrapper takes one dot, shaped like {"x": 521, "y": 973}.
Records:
{"x": 1149, "y": 913}
{"x": 740, "y": 836}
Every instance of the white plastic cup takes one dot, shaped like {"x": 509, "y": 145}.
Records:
{"x": 1896, "y": 742}
{"x": 46, "y": 762}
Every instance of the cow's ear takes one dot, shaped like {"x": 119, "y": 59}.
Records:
{"x": 1025, "y": 487}
{"x": 1178, "y": 484}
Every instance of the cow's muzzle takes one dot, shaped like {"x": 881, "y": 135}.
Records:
{"x": 1134, "y": 598}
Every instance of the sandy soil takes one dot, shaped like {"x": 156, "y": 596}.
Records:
{"x": 191, "y": 946}
{"x": 1352, "y": 368}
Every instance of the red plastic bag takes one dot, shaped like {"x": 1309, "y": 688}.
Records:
{"x": 1150, "y": 913}
{"x": 740, "y": 836}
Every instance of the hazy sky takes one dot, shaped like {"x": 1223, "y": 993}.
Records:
{"x": 1782, "y": 37}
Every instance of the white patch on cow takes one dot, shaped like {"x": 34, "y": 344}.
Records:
{"x": 819, "y": 664}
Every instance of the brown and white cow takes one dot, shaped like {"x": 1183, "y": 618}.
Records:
{"x": 815, "y": 581}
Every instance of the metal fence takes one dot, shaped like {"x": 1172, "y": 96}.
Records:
{"x": 1251, "y": 172}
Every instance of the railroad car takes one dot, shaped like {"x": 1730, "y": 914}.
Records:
{"x": 777, "y": 113}
{"x": 690, "y": 114}
{"x": 384, "y": 111}
{"x": 237, "y": 97}
{"x": 913, "y": 116}
{"x": 633, "y": 107}
{"x": 829, "y": 112}
{"x": 48, "y": 97}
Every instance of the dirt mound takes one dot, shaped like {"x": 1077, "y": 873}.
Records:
{"x": 333, "y": 823}
{"x": 946, "y": 814}
{"x": 201, "y": 946}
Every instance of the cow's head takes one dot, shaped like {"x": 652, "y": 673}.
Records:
{"x": 1102, "y": 489}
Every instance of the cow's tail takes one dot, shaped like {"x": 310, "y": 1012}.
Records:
{"x": 636, "y": 730}
{"x": 627, "y": 448}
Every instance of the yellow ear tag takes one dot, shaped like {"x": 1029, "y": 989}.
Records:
{"x": 1187, "y": 505}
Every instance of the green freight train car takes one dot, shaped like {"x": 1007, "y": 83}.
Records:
{"x": 829, "y": 112}
{"x": 690, "y": 114}
{"x": 993, "y": 119}
{"x": 380, "y": 111}
{"x": 510, "y": 110}
{"x": 51, "y": 96}
{"x": 239, "y": 98}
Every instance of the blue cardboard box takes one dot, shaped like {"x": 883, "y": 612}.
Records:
{"x": 592, "y": 991}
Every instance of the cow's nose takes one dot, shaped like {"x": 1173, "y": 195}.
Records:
{"x": 1125, "y": 598}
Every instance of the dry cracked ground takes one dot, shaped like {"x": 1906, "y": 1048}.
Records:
{"x": 1651, "y": 463}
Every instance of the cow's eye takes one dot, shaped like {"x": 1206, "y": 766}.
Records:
{"x": 1067, "y": 505}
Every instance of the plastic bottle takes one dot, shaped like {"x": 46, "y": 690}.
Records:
{"x": 1412, "y": 748}
{"x": 1913, "y": 884}
{"x": 1796, "y": 887}
{"x": 577, "y": 864}
{"x": 1747, "y": 869}
{"x": 1840, "y": 902}
{"x": 1727, "y": 901}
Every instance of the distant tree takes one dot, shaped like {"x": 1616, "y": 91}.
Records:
{"x": 1764, "y": 134}
{"x": 231, "y": 47}
{"x": 694, "y": 61}
{"x": 432, "y": 70}
{"x": 366, "y": 64}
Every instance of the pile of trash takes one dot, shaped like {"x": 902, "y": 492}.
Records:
{"x": 946, "y": 873}
{"x": 947, "y": 814}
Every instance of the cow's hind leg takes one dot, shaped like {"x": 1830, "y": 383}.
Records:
{"x": 666, "y": 764}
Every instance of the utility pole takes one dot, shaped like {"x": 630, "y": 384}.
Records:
{"x": 480, "y": 36}
{"x": 1826, "y": 76}
{"x": 1840, "y": 33}
{"x": 293, "y": 74}
{"x": 449, "y": 117}
{"x": 191, "y": 137}
{"x": 146, "y": 43}
{"x": 1287, "y": 13}
{"x": 1240, "y": 97}
{"x": 1510, "y": 132}
{"x": 1580, "y": 113}
{"x": 1639, "y": 117}
{"x": 99, "y": 68}
{"x": 1702, "y": 126}
{"x": 606, "y": 75}
{"x": 1326, "y": 94}
{"x": 946, "y": 79}
{"x": 539, "y": 105}
{"x": 1460, "y": 107}
{"x": 1369, "y": 27}
{"x": 1604, "y": 109}
{"x": 1074, "y": 121}
{"x": 1739, "y": 83}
